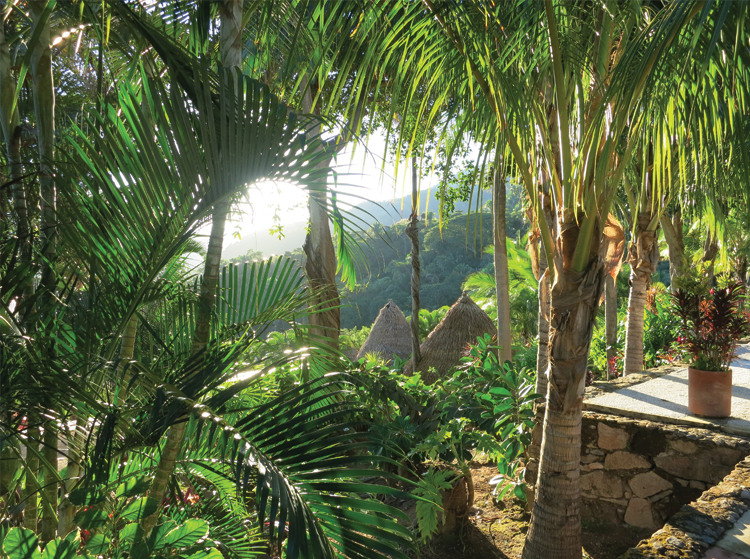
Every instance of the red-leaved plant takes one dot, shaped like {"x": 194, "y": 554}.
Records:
{"x": 711, "y": 325}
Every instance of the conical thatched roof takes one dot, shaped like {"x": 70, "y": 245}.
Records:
{"x": 390, "y": 335}
{"x": 442, "y": 349}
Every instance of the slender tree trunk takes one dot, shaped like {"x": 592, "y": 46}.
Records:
{"x": 30, "y": 494}
{"x": 412, "y": 231}
{"x": 610, "y": 320}
{"x": 643, "y": 257}
{"x": 44, "y": 109}
{"x": 49, "y": 512}
{"x": 675, "y": 243}
{"x": 231, "y": 30}
{"x": 9, "y": 126}
{"x": 66, "y": 511}
{"x": 542, "y": 365}
{"x": 173, "y": 445}
{"x": 502, "y": 279}
{"x": 710, "y": 251}
{"x": 320, "y": 262}
{"x": 575, "y": 298}
{"x": 12, "y": 137}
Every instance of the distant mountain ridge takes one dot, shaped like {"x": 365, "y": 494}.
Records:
{"x": 386, "y": 213}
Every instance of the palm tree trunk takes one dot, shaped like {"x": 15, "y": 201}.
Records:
{"x": 555, "y": 528}
{"x": 12, "y": 136}
{"x": 49, "y": 511}
{"x": 231, "y": 31}
{"x": 502, "y": 279}
{"x": 320, "y": 262}
{"x": 412, "y": 231}
{"x": 710, "y": 251}
{"x": 44, "y": 109}
{"x": 542, "y": 364}
{"x": 66, "y": 511}
{"x": 643, "y": 257}
{"x": 610, "y": 320}
{"x": 9, "y": 122}
{"x": 30, "y": 494}
{"x": 675, "y": 243}
{"x": 173, "y": 444}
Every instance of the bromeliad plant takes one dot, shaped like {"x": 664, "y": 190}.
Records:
{"x": 711, "y": 324}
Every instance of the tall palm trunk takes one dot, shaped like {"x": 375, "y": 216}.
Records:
{"x": 643, "y": 257}
{"x": 44, "y": 109}
{"x": 574, "y": 302}
{"x": 542, "y": 364}
{"x": 48, "y": 529}
{"x": 610, "y": 320}
{"x": 320, "y": 262}
{"x": 412, "y": 231}
{"x": 672, "y": 228}
{"x": 66, "y": 510}
{"x": 231, "y": 31}
{"x": 11, "y": 134}
{"x": 502, "y": 279}
{"x": 30, "y": 494}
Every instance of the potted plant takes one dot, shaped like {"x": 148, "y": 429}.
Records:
{"x": 711, "y": 325}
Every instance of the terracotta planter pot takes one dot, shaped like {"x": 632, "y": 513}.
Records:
{"x": 710, "y": 393}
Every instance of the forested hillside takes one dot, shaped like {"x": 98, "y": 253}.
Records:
{"x": 447, "y": 258}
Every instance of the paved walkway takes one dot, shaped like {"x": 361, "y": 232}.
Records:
{"x": 663, "y": 398}
{"x": 735, "y": 544}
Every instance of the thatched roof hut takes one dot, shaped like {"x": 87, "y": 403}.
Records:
{"x": 443, "y": 348}
{"x": 390, "y": 335}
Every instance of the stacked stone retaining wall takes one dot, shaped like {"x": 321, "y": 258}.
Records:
{"x": 701, "y": 524}
{"x": 640, "y": 473}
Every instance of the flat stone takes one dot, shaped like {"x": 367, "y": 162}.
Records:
{"x": 603, "y": 484}
{"x": 622, "y": 460}
{"x": 592, "y": 467}
{"x": 612, "y": 438}
{"x": 683, "y": 447}
{"x": 647, "y": 484}
{"x": 710, "y": 466}
{"x": 663, "y": 398}
{"x": 659, "y": 496}
{"x": 639, "y": 513}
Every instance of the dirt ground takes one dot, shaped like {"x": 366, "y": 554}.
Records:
{"x": 498, "y": 532}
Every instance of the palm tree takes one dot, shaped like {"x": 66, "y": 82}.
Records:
{"x": 609, "y": 69}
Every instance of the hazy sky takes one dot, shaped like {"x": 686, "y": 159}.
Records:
{"x": 361, "y": 173}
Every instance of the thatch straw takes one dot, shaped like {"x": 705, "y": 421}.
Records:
{"x": 390, "y": 335}
{"x": 444, "y": 347}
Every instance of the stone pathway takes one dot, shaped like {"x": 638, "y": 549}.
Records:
{"x": 735, "y": 544}
{"x": 663, "y": 398}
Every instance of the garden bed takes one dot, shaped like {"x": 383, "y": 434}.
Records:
{"x": 497, "y": 531}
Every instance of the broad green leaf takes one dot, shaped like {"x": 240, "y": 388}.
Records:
{"x": 188, "y": 534}
{"x": 137, "y": 510}
{"x": 90, "y": 519}
{"x": 212, "y": 553}
{"x": 21, "y": 543}
{"x": 133, "y": 487}
{"x": 86, "y": 496}
{"x": 60, "y": 549}
{"x": 130, "y": 533}
{"x": 97, "y": 544}
{"x": 158, "y": 535}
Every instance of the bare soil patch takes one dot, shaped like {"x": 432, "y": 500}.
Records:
{"x": 497, "y": 531}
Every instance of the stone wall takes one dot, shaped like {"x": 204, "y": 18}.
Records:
{"x": 701, "y": 524}
{"x": 640, "y": 472}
